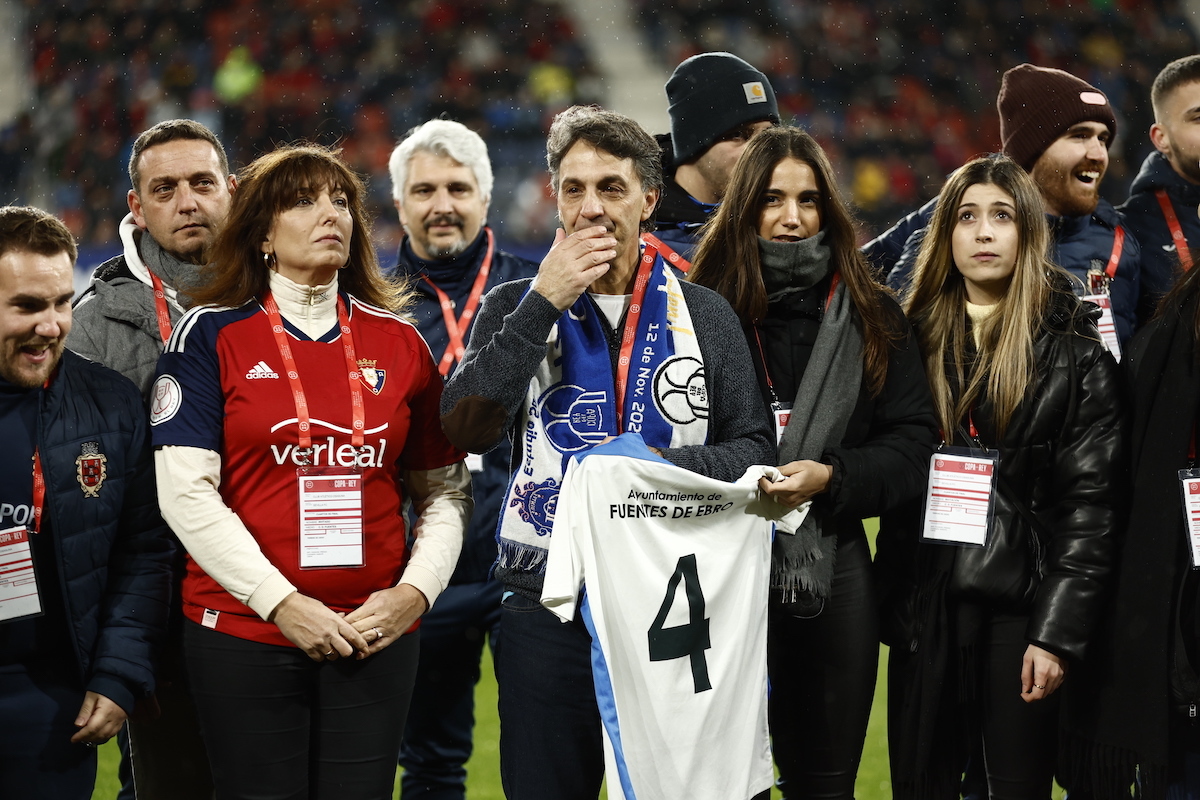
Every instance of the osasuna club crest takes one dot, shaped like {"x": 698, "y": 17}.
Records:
{"x": 372, "y": 378}
{"x": 90, "y": 469}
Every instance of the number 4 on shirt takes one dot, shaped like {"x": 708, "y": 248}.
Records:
{"x": 690, "y": 640}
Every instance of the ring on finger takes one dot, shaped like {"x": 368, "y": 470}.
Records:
{"x": 378, "y": 633}
{"x": 1038, "y": 686}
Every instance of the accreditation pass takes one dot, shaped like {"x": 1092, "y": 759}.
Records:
{"x": 18, "y": 583}
{"x": 958, "y": 506}
{"x": 1107, "y": 324}
{"x": 1189, "y": 485}
{"x": 331, "y": 518}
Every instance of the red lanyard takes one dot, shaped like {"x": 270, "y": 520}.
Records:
{"x": 645, "y": 270}
{"x": 1097, "y": 282}
{"x": 762, "y": 355}
{"x": 39, "y": 492}
{"x": 289, "y": 364}
{"x": 39, "y": 478}
{"x": 458, "y": 327}
{"x": 970, "y": 426}
{"x": 833, "y": 284}
{"x": 1181, "y": 245}
{"x": 160, "y": 308}
{"x": 1115, "y": 258}
{"x": 674, "y": 259}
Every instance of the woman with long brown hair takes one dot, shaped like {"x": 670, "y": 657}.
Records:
{"x": 294, "y": 414}
{"x": 840, "y": 372}
{"x": 985, "y": 618}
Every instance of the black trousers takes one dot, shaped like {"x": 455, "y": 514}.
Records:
{"x": 280, "y": 726}
{"x": 822, "y": 673}
{"x": 1019, "y": 739}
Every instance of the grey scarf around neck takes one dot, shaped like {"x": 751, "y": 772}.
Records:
{"x": 179, "y": 275}
{"x": 824, "y": 401}
{"x": 790, "y": 267}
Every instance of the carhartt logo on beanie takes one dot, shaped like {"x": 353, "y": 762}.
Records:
{"x": 711, "y": 94}
{"x": 1037, "y": 104}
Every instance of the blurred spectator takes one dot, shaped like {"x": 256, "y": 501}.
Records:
{"x": 263, "y": 72}
{"x": 909, "y": 86}
{"x": 901, "y": 93}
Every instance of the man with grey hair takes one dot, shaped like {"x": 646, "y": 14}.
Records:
{"x": 180, "y": 193}
{"x": 442, "y": 185}
{"x": 542, "y": 369}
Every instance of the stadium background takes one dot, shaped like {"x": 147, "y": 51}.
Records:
{"x": 898, "y": 92}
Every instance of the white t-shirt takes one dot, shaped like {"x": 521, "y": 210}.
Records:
{"x": 676, "y": 567}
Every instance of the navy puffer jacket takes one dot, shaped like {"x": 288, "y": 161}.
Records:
{"x": 114, "y": 551}
{"x": 1144, "y": 217}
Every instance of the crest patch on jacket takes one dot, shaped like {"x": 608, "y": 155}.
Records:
{"x": 90, "y": 469}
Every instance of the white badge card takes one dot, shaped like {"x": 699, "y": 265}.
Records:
{"x": 1108, "y": 323}
{"x": 782, "y": 414}
{"x": 331, "y": 517}
{"x": 959, "y": 503}
{"x": 18, "y": 581}
{"x": 1189, "y": 485}
{"x": 474, "y": 462}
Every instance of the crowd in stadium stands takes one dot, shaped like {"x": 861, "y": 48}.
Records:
{"x": 900, "y": 94}
{"x": 264, "y": 72}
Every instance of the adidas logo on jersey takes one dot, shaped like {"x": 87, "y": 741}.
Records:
{"x": 261, "y": 370}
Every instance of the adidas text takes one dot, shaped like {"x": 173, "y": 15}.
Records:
{"x": 261, "y": 370}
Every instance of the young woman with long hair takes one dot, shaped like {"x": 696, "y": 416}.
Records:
{"x": 838, "y": 367}
{"x": 983, "y": 636}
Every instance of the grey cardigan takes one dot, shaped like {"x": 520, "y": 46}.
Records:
{"x": 484, "y": 400}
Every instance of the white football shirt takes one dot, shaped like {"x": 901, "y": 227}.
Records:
{"x": 676, "y": 568}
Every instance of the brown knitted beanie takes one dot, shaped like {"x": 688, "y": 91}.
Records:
{"x": 1037, "y": 104}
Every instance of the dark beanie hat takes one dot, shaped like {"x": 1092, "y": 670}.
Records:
{"x": 711, "y": 94}
{"x": 1037, "y": 104}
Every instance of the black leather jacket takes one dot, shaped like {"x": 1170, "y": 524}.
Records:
{"x": 1059, "y": 506}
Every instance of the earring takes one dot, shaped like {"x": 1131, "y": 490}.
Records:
{"x": 269, "y": 260}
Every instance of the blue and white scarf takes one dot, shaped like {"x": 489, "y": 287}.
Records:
{"x": 571, "y": 405}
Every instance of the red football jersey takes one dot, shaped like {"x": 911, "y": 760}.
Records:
{"x": 222, "y": 386}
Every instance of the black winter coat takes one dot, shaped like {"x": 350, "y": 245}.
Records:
{"x": 883, "y": 459}
{"x": 1058, "y": 508}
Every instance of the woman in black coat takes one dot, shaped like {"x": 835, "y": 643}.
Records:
{"x": 983, "y": 636}
{"x": 1142, "y": 722}
{"x": 833, "y": 354}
